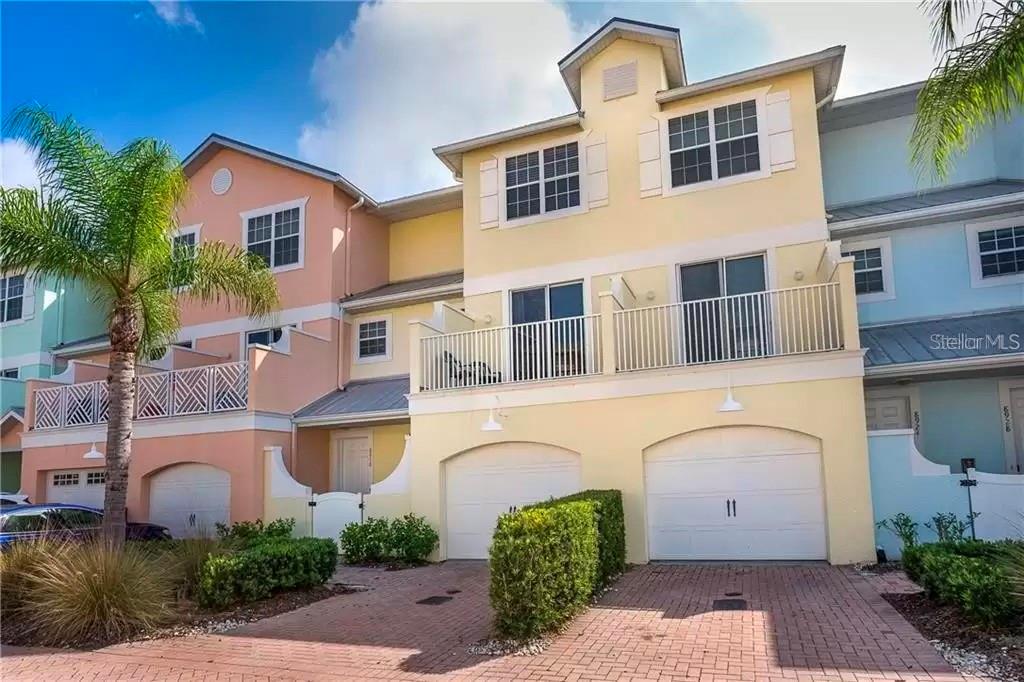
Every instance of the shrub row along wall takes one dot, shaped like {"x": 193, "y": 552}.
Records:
{"x": 549, "y": 559}
{"x": 969, "y": 575}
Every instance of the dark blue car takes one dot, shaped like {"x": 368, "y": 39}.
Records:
{"x": 64, "y": 521}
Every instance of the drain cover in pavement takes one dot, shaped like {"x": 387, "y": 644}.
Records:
{"x": 452, "y": 591}
{"x": 435, "y": 600}
{"x": 729, "y": 604}
{"x": 733, "y": 594}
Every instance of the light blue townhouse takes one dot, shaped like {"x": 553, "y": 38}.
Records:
{"x": 940, "y": 279}
{"x": 36, "y": 316}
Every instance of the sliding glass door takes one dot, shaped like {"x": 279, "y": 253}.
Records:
{"x": 548, "y": 334}
{"x": 722, "y": 318}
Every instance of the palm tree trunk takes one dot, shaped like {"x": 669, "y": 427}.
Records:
{"x": 121, "y": 404}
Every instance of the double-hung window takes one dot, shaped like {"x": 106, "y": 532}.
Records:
{"x": 373, "y": 339}
{"x": 263, "y": 337}
{"x": 868, "y": 272}
{"x": 184, "y": 246}
{"x": 1001, "y": 251}
{"x": 12, "y": 297}
{"x": 10, "y": 373}
{"x": 275, "y": 236}
{"x": 714, "y": 144}
{"x": 542, "y": 182}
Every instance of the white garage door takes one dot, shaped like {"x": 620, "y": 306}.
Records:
{"x": 76, "y": 486}
{"x": 486, "y": 482}
{"x": 735, "y": 493}
{"x": 190, "y": 499}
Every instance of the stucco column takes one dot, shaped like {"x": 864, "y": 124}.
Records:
{"x": 848, "y": 303}
{"x": 415, "y": 364}
{"x": 607, "y": 331}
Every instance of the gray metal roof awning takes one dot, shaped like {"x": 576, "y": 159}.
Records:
{"x": 895, "y": 207}
{"x": 366, "y": 400}
{"x": 950, "y": 340}
{"x": 421, "y": 288}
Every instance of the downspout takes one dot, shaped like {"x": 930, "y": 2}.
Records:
{"x": 347, "y": 289}
{"x": 348, "y": 246}
{"x": 831, "y": 95}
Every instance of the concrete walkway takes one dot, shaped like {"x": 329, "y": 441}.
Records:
{"x": 801, "y": 623}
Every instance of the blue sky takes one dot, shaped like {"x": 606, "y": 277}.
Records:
{"x": 321, "y": 81}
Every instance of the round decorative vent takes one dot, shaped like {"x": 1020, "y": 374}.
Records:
{"x": 221, "y": 181}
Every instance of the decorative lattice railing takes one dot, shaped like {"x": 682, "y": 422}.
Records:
{"x": 196, "y": 390}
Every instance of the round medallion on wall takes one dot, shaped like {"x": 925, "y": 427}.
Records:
{"x": 221, "y": 181}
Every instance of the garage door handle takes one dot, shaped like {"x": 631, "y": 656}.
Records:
{"x": 727, "y": 512}
{"x": 734, "y": 507}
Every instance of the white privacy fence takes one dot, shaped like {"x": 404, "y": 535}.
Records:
{"x": 196, "y": 390}
{"x": 566, "y": 347}
{"x": 741, "y": 327}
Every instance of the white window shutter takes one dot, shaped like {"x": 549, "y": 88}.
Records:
{"x": 649, "y": 152}
{"x": 597, "y": 170}
{"x": 488, "y": 194}
{"x": 781, "y": 148}
{"x": 28, "y": 299}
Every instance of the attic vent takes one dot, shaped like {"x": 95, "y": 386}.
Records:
{"x": 620, "y": 81}
{"x": 221, "y": 181}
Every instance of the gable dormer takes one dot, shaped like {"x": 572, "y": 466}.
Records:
{"x": 623, "y": 59}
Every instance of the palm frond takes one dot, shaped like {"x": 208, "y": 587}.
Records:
{"x": 217, "y": 272}
{"x": 975, "y": 84}
{"x": 946, "y": 18}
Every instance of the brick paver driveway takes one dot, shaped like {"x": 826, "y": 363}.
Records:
{"x": 802, "y": 622}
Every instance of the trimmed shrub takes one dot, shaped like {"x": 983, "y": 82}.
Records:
{"x": 83, "y": 593}
{"x": 966, "y": 574}
{"x": 245, "y": 533}
{"x": 366, "y": 542}
{"x": 409, "y": 540}
{"x": 265, "y": 568}
{"x": 544, "y": 566}
{"x": 611, "y": 531}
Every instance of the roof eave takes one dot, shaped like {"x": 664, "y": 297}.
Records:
{"x": 418, "y": 296}
{"x": 912, "y": 217}
{"x": 422, "y": 204}
{"x": 451, "y": 154}
{"x": 351, "y": 418}
{"x": 831, "y": 59}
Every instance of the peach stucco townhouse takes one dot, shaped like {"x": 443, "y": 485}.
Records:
{"x": 640, "y": 294}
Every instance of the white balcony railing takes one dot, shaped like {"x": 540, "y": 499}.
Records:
{"x": 742, "y": 327}
{"x": 197, "y": 390}
{"x": 567, "y": 347}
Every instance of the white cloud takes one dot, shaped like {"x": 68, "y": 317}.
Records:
{"x": 17, "y": 164}
{"x": 408, "y": 77}
{"x": 887, "y": 43}
{"x": 176, "y": 13}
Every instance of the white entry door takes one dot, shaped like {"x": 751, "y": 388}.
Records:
{"x": 1017, "y": 415}
{"x": 351, "y": 465}
{"x": 486, "y": 482}
{"x": 735, "y": 493}
{"x": 76, "y": 486}
{"x": 889, "y": 412}
{"x": 190, "y": 499}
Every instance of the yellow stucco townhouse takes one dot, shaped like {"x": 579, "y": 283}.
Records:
{"x": 648, "y": 301}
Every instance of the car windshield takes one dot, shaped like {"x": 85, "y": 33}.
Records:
{"x": 25, "y": 522}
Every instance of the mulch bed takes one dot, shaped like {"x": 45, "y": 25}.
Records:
{"x": 1003, "y": 646}
{"x": 190, "y": 620}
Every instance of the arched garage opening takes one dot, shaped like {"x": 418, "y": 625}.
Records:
{"x": 735, "y": 493}
{"x": 487, "y": 481}
{"x": 190, "y": 499}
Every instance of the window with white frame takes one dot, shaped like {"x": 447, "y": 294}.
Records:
{"x": 12, "y": 297}
{"x": 263, "y": 337}
{"x": 96, "y": 478}
{"x": 184, "y": 246}
{"x": 65, "y": 479}
{"x": 872, "y": 269}
{"x": 542, "y": 182}
{"x": 714, "y": 144}
{"x": 275, "y": 236}
{"x": 1001, "y": 251}
{"x": 11, "y": 373}
{"x": 373, "y": 339}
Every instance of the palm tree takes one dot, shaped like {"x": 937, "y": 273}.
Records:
{"x": 106, "y": 219}
{"x": 979, "y": 78}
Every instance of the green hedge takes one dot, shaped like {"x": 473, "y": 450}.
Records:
{"x": 611, "y": 531}
{"x": 549, "y": 559}
{"x": 966, "y": 574}
{"x": 264, "y": 568}
{"x": 408, "y": 540}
